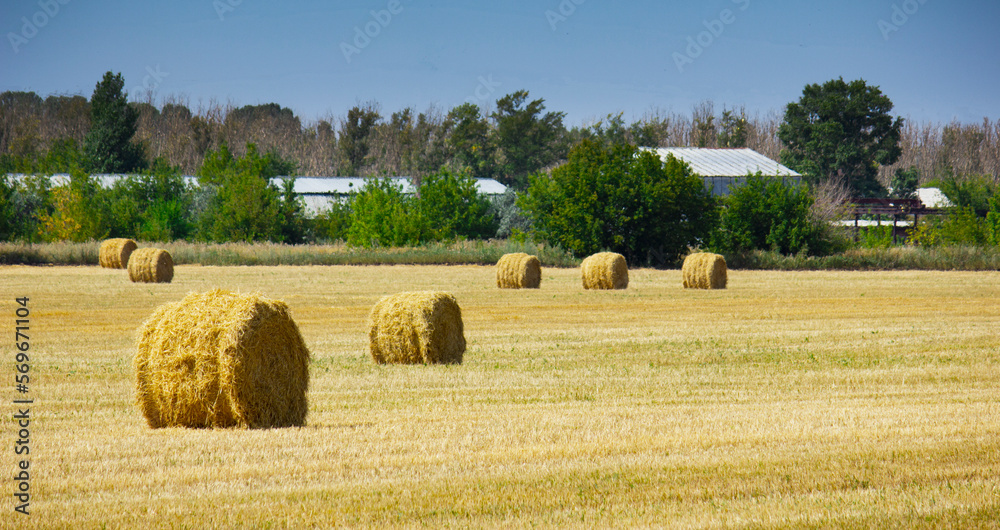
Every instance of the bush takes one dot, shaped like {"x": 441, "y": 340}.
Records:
{"x": 332, "y": 225}
{"x": 613, "y": 197}
{"x": 455, "y": 208}
{"x": 244, "y": 205}
{"x": 768, "y": 213}
{"x": 511, "y": 219}
{"x": 875, "y": 237}
{"x": 381, "y": 215}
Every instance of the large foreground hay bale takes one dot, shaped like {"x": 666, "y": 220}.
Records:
{"x": 704, "y": 270}
{"x": 220, "y": 359}
{"x": 604, "y": 270}
{"x": 416, "y": 327}
{"x": 115, "y": 252}
{"x": 151, "y": 265}
{"x": 519, "y": 271}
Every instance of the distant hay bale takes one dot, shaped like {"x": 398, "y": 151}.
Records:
{"x": 604, "y": 270}
{"x": 416, "y": 327}
{"x": 518, "y": 271}
{"x": 704, "y": 270}
{"x": 220, "y": 359}
{"x": 151, "y": 265}
{"x": 115, "y": 252}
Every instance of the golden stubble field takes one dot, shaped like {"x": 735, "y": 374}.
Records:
{"x": 850, "y": 399}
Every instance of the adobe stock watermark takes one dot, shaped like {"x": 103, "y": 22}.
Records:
{"x": 225, "y": 6}
{"x": 38, "y": 20}
{"x": 363, "y": 35}
{"x": 151, "y": 81}
{"x": 563, "y": 11}
{"x": 713, "y": 30}
{"x": 487, "y": 86}
{"x": 900, "y": 15}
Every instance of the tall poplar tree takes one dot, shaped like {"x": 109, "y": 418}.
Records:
{"x": 108, "y": 146}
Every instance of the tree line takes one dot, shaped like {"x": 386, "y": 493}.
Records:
{"x": 519, "y": 136}
{"x": 585, "y": 188}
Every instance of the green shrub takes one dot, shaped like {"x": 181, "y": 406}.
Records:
{"x": 875, "y": 237}
{"x": 241, "y": 203}
{"x": 613, "y": 197}
{"x": 769, "y": 213}
{"x": 381, "y": 215}
{"x": 455, "y": 208}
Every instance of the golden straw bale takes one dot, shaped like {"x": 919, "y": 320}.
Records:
{"x": 220, "y": 359}
{"x": 115, "y": 252}
{"x": 704, "y": 270}
{"x": 604, "y": 270}
{"x": 519, "y": 271}
{"x": 416, "y": 327}
{"x": 151, "y": 265}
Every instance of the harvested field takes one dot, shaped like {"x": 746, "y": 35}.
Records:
{"x": 851, "y": 399}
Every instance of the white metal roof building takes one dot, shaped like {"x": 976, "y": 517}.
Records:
{"x": 316, "y": 192}
{"x": 725, "y": 168}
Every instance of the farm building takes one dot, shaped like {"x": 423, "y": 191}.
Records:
{"x": 723, "y": 169}
{"x": 316, "y": 192}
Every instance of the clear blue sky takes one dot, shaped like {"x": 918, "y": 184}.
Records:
{"x": 587, "y": 58}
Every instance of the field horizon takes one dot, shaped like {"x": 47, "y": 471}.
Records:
{"x": 789, "y": 399}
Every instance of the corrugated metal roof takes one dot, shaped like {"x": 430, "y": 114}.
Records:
{"x": 336, "y": 185}
{"x": 726, "y": 162}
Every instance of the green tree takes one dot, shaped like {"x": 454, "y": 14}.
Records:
{"x": 154, "y": 206}
{"x": 455, "y": 208}
{"x": 354, "y": 140}
{"x": 733, "y": 129}
{"x": 904, "y": 183}
{"x": 614, "y": 197}
{"x": 246, "y": 205}
{"x": 527, "y": 139}
{"x": 8, "y": 209}
{"x": 768, "y": 213}
{"x": 108, "y": 144}
{"x": 383, "y": 216}
{"x": 471, "y": 142}
{"x": 841, "y": 131}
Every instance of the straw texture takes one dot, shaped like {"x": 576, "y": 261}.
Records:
{"x": 519, "y": 271}
{"x": 604, "y": 270}
{"x": 704, "y": 270}
{"x": 220, "y": 359}
{"x": 151, "y": 265}
{"x": 420, "y": 327}
{"x": 114, "y": 253}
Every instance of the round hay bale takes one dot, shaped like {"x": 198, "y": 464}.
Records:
{"x": 704, "y": 270}
{"x": 519, "y": 271}
{"x": 604, "y": 270}
{"x": 114, "y": 253}
{"x": 220, "y": 359}
{"x": 151, "y": 265}
{"x": 420, "y": 327}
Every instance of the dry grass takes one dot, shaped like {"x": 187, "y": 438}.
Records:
{"x": 810, "y": 399}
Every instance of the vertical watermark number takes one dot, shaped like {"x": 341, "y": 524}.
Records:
{"x": 22, "y": 406}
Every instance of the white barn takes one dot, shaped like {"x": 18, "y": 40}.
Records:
{"x": 723, "y": 169}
